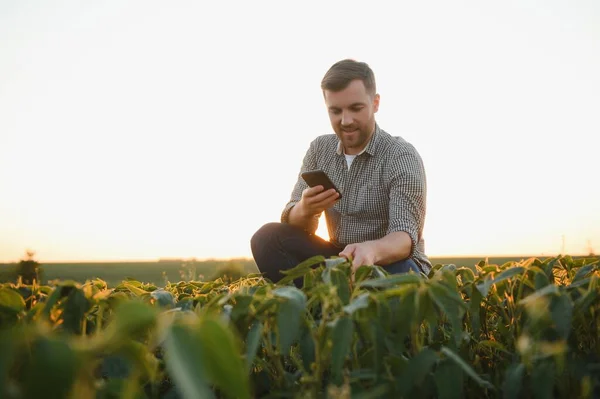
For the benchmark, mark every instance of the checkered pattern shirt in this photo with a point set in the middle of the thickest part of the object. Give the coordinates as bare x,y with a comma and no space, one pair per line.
383,191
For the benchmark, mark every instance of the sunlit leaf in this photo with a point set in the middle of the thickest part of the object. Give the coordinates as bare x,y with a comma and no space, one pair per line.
64,289
134,289
508,273
11,301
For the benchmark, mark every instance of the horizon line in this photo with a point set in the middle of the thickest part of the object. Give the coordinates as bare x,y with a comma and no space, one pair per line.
246,258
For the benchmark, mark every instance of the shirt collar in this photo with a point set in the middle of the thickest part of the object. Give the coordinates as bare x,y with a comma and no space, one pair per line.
371,146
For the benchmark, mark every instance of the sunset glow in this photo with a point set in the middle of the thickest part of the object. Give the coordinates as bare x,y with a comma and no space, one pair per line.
140,130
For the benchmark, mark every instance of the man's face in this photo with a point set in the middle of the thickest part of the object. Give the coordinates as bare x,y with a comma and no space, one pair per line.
352,115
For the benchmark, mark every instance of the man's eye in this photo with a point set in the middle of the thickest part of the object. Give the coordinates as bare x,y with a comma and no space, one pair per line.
356,109
335,111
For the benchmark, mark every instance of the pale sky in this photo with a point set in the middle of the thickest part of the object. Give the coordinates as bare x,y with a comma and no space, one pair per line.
143,129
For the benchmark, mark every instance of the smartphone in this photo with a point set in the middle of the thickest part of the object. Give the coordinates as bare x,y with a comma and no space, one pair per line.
319,178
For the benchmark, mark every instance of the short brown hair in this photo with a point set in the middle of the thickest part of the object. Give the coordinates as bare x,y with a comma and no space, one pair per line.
339,76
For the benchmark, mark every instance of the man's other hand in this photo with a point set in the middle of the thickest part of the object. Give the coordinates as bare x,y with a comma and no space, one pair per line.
362,254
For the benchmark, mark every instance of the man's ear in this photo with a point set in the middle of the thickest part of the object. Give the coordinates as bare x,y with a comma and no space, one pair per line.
375,103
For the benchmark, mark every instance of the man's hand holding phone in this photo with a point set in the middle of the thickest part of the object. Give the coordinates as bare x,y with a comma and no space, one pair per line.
316,199
320,195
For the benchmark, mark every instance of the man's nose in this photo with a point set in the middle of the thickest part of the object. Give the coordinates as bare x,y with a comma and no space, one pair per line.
346,118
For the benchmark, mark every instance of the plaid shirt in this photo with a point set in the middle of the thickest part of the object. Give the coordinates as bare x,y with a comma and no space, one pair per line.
383,191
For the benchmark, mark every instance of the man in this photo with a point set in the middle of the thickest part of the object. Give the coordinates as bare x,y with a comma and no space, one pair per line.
379,219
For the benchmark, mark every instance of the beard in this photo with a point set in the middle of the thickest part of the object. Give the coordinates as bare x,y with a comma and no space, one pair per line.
354,137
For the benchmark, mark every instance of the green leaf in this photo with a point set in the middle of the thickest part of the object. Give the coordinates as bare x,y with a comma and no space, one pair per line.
362,273
341,333
547,290
163,298
133,318
513,381
64,289
541,280
227,370
7,352
485,286
341,282
392,280
378,392
289,316
293,294
562,314
466,275
584,271
448,379
506,274
52,370
404,315
307,348
301,269
542,380
75,308
418,367
584,302
466,368
493,345
332,262
135,290
360,302
252,342
11,301
451,305
474,312
184,359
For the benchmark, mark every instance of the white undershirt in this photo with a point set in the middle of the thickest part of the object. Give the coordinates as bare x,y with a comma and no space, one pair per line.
349,159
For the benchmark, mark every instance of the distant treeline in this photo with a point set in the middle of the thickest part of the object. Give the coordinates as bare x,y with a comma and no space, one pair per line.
158,272
174,270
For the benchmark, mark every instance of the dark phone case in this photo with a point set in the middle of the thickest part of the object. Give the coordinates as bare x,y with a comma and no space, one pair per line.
319,178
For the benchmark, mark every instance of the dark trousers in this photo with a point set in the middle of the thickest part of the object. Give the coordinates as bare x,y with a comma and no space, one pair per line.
281,246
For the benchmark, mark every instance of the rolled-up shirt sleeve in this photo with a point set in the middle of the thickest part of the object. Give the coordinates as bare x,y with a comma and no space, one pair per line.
308,163
408,191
